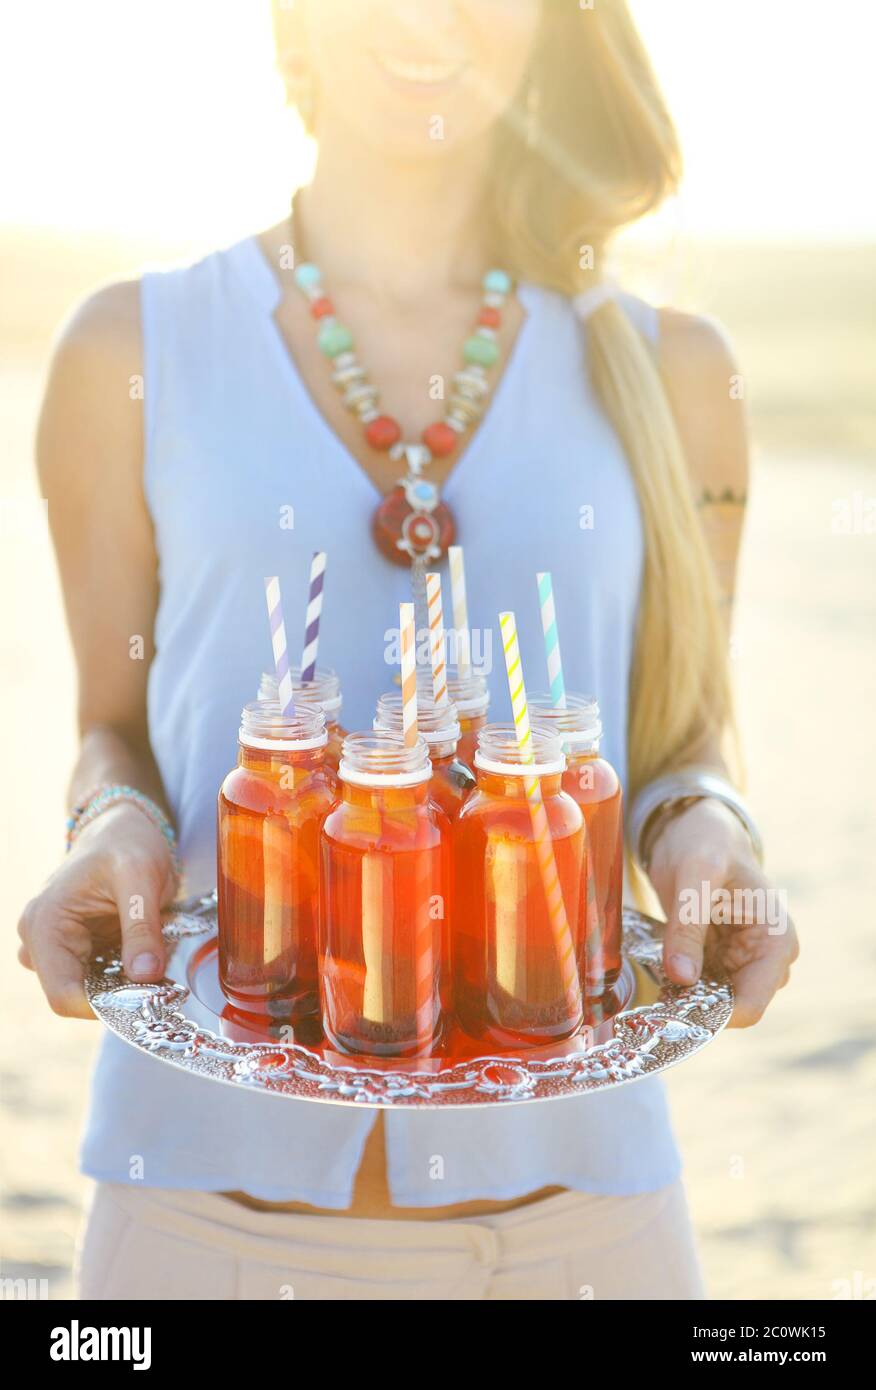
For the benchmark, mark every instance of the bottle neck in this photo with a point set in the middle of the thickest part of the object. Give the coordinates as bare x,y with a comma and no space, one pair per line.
385,798
581,752
513,787
472,722
298,764
442,752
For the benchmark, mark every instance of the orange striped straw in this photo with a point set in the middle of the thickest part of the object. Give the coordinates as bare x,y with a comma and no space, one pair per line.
541,834
436,639
408,674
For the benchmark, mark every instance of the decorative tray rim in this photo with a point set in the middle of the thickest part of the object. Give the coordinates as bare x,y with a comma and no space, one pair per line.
646,1039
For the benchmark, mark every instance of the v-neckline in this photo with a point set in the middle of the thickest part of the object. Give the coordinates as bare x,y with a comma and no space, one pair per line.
268,291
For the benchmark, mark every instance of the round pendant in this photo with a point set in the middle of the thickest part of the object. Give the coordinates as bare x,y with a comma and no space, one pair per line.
401,531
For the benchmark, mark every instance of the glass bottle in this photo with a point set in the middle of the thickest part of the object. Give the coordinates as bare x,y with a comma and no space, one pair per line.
593,783
385,883
271,807
451,780
325,691
517,924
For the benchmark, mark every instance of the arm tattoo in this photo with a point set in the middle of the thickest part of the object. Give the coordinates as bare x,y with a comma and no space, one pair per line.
726,498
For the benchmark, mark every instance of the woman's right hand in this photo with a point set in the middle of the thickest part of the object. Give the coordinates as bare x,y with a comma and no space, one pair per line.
120,866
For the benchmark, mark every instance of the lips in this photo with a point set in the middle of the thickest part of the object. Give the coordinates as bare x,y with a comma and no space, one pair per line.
420,74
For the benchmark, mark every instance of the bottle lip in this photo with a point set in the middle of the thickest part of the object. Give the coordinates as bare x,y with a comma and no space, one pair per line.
263,726
381,758
324,690
437,724
577,724
499,751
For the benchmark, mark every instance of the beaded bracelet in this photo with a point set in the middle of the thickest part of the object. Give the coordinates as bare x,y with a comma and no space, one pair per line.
101,800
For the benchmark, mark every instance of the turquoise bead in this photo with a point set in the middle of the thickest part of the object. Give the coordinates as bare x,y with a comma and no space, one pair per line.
481,350
307,275
497,282
334,339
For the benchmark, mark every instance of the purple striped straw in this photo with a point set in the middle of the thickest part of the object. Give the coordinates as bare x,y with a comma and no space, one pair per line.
278,642
314,613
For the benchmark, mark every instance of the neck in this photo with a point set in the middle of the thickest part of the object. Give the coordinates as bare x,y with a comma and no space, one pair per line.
361,216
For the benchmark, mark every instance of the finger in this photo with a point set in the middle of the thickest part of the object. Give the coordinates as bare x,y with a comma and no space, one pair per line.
137,891
24,957
686,925
58,949
754,986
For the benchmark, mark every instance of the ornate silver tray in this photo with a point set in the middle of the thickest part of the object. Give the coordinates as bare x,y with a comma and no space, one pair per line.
646,1026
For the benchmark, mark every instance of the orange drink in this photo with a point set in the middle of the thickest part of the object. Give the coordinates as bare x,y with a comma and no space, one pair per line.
271,807
385,883
509,983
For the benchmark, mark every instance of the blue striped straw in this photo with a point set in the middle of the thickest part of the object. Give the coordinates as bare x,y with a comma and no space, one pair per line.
551,640
278,642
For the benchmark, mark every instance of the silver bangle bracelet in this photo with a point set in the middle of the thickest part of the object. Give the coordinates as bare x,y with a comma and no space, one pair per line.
688,783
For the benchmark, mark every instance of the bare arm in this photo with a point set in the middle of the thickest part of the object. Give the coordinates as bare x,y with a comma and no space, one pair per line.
89,450
707,843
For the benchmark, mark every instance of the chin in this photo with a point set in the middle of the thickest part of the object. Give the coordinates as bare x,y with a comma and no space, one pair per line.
420,126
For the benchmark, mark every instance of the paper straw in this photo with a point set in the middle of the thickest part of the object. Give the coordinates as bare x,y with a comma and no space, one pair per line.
408,674
436,640
460,611
278,642
314,612
544,849
551,640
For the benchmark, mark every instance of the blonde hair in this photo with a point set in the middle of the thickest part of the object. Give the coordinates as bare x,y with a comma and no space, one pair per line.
587,147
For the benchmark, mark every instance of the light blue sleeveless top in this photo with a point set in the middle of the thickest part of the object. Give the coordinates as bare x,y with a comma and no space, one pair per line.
232,440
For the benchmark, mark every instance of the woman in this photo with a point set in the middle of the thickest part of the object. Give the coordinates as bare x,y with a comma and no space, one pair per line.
452,137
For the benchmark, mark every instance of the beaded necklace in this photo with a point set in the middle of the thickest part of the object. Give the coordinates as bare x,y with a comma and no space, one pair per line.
411,526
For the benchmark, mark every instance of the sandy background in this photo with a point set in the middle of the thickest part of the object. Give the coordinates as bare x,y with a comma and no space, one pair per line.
777,1124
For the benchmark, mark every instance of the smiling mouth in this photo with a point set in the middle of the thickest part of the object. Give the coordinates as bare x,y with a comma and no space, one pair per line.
418,74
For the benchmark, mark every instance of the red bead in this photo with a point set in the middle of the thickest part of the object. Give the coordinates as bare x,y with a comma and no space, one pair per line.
489,317
440,439
383,432
322,307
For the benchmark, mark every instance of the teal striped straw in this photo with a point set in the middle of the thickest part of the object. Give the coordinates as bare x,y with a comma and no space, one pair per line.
551,640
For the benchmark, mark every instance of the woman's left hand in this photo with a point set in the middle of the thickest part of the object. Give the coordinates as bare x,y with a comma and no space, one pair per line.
720,907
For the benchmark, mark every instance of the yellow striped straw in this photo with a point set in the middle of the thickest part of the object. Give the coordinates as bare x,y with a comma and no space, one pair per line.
436,639
408,674
541,834
460,611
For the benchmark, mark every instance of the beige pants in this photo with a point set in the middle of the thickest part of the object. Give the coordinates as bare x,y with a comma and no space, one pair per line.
141,1243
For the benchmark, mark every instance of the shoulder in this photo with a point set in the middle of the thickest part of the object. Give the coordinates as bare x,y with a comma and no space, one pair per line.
694,349
103,329
706,391
91,410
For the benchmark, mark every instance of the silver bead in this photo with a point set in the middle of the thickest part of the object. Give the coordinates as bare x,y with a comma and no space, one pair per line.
482,331
368,414
455,423
345,359
494,300
348,375
363,393
470,385
464,409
